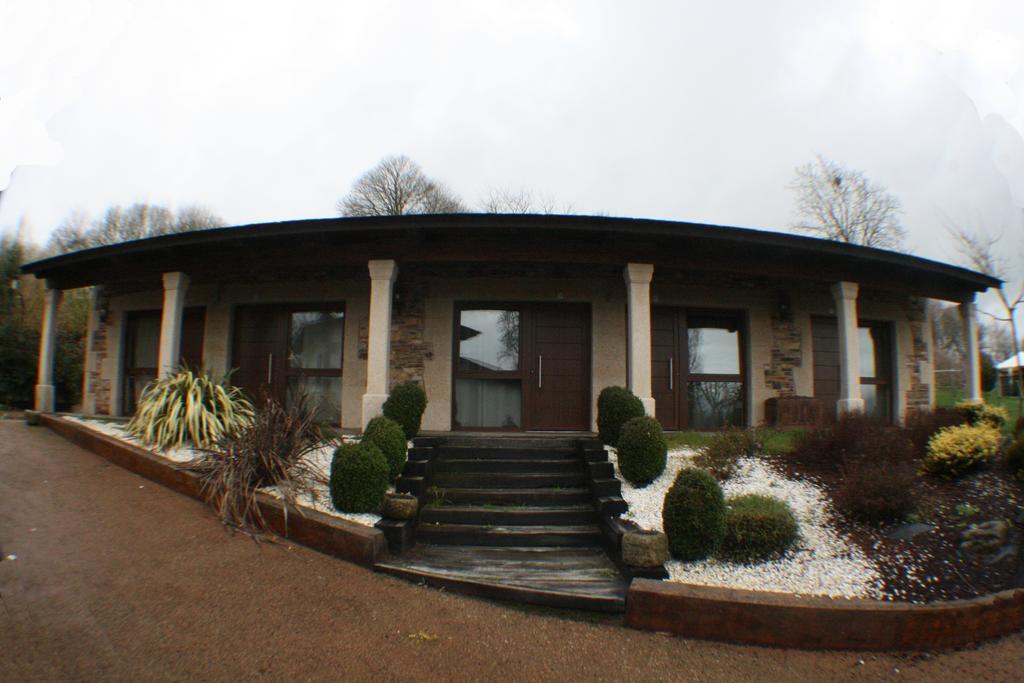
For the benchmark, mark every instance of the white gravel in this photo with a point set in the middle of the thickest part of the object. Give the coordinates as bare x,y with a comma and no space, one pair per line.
319,498
823,563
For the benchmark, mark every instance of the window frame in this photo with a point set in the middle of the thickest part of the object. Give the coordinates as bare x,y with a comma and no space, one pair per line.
739,318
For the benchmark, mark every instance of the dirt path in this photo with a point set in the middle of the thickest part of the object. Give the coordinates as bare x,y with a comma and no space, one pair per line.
118,578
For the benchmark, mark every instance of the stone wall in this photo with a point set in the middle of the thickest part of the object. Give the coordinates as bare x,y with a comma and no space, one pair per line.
786,356
918,394
409,348
98,383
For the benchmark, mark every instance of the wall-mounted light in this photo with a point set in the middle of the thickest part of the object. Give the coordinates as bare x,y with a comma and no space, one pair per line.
102,304
785,309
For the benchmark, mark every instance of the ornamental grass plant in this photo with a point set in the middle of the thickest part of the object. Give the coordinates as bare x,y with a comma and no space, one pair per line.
190,407
272,451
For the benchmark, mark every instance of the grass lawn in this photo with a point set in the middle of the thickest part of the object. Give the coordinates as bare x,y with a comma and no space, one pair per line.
947,398
776,441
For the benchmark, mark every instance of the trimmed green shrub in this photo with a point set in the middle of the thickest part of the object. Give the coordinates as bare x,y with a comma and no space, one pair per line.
757,528
984,414
1015,457
405,406
956,450
720,455
387,435
615,407
693,515
359,477
643,450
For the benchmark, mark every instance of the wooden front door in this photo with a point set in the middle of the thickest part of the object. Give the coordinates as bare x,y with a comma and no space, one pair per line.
558,395
698,374
287,350
521,366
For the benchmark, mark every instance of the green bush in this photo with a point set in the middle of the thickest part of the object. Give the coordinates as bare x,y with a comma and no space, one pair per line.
1015,457
693,515
643,450
757,528
615,407
190,408
877,489
405,406
19,361
387,435
723,451
956,450
984,414
359,477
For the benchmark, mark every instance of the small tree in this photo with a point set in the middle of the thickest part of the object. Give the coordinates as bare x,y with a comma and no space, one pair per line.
521,201
840,203
119,224
397,186
980,252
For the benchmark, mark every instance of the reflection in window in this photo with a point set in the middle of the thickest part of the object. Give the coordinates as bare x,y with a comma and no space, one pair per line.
488,403
713,351
316,340
489,340
323,395
713,405
876,369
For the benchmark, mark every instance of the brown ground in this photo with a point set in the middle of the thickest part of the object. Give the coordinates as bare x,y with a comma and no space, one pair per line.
117,578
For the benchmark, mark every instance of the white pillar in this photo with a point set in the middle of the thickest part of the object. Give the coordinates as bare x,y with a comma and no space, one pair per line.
972,371
378,347
175,286
845,296
638,307
46,394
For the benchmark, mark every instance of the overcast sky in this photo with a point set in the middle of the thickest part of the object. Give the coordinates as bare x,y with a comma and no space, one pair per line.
646,109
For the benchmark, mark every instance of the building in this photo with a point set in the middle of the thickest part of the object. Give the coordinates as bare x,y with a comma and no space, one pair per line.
514,322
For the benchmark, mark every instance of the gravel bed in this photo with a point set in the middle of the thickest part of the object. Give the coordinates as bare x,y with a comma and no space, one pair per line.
823,562
318,498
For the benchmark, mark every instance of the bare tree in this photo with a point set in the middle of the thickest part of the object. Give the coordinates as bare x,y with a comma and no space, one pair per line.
841,204
980,252
119,224
521,201
397,186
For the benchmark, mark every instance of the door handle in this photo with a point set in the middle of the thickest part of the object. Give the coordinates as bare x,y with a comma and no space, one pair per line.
270,368
540,372
671,375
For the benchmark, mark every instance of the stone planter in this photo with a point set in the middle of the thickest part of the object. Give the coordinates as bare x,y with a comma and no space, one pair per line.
643,548
399,506
32,417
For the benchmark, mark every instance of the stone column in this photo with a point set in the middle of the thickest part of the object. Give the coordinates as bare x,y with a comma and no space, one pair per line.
175,287
972,369
46,394
638,307
845,296
378,347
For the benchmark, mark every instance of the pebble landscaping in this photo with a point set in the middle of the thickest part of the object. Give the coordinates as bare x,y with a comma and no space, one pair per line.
823,563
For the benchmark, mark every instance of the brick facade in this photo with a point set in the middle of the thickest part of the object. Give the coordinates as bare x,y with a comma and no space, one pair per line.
787,355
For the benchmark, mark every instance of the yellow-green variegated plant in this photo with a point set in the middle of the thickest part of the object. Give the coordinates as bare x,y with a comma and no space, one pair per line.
190,407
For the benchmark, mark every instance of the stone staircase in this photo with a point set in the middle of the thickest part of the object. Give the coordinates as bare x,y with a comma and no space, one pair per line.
513,518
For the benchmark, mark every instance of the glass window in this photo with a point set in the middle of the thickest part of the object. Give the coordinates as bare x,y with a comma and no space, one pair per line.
322,393
713,405
317,338
713,351
488,403
876,369
876,400
145,344
489,340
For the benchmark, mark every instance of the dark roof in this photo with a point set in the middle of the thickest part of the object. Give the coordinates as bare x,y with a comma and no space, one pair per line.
664,239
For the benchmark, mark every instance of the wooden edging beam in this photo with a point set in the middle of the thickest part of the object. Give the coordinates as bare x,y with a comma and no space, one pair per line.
818,623
332,536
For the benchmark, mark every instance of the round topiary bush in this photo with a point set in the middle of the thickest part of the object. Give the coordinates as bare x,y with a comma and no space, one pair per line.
980,414
954,451
359,477
693,515
405,406
642,450
387,435
615,407
757,528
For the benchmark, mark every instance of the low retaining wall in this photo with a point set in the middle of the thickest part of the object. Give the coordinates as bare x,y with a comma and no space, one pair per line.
336,537
816,623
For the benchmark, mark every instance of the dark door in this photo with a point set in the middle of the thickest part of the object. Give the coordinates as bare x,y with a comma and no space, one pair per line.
825,342
142,348
285,351
521,366
876,363
558,396
698,374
